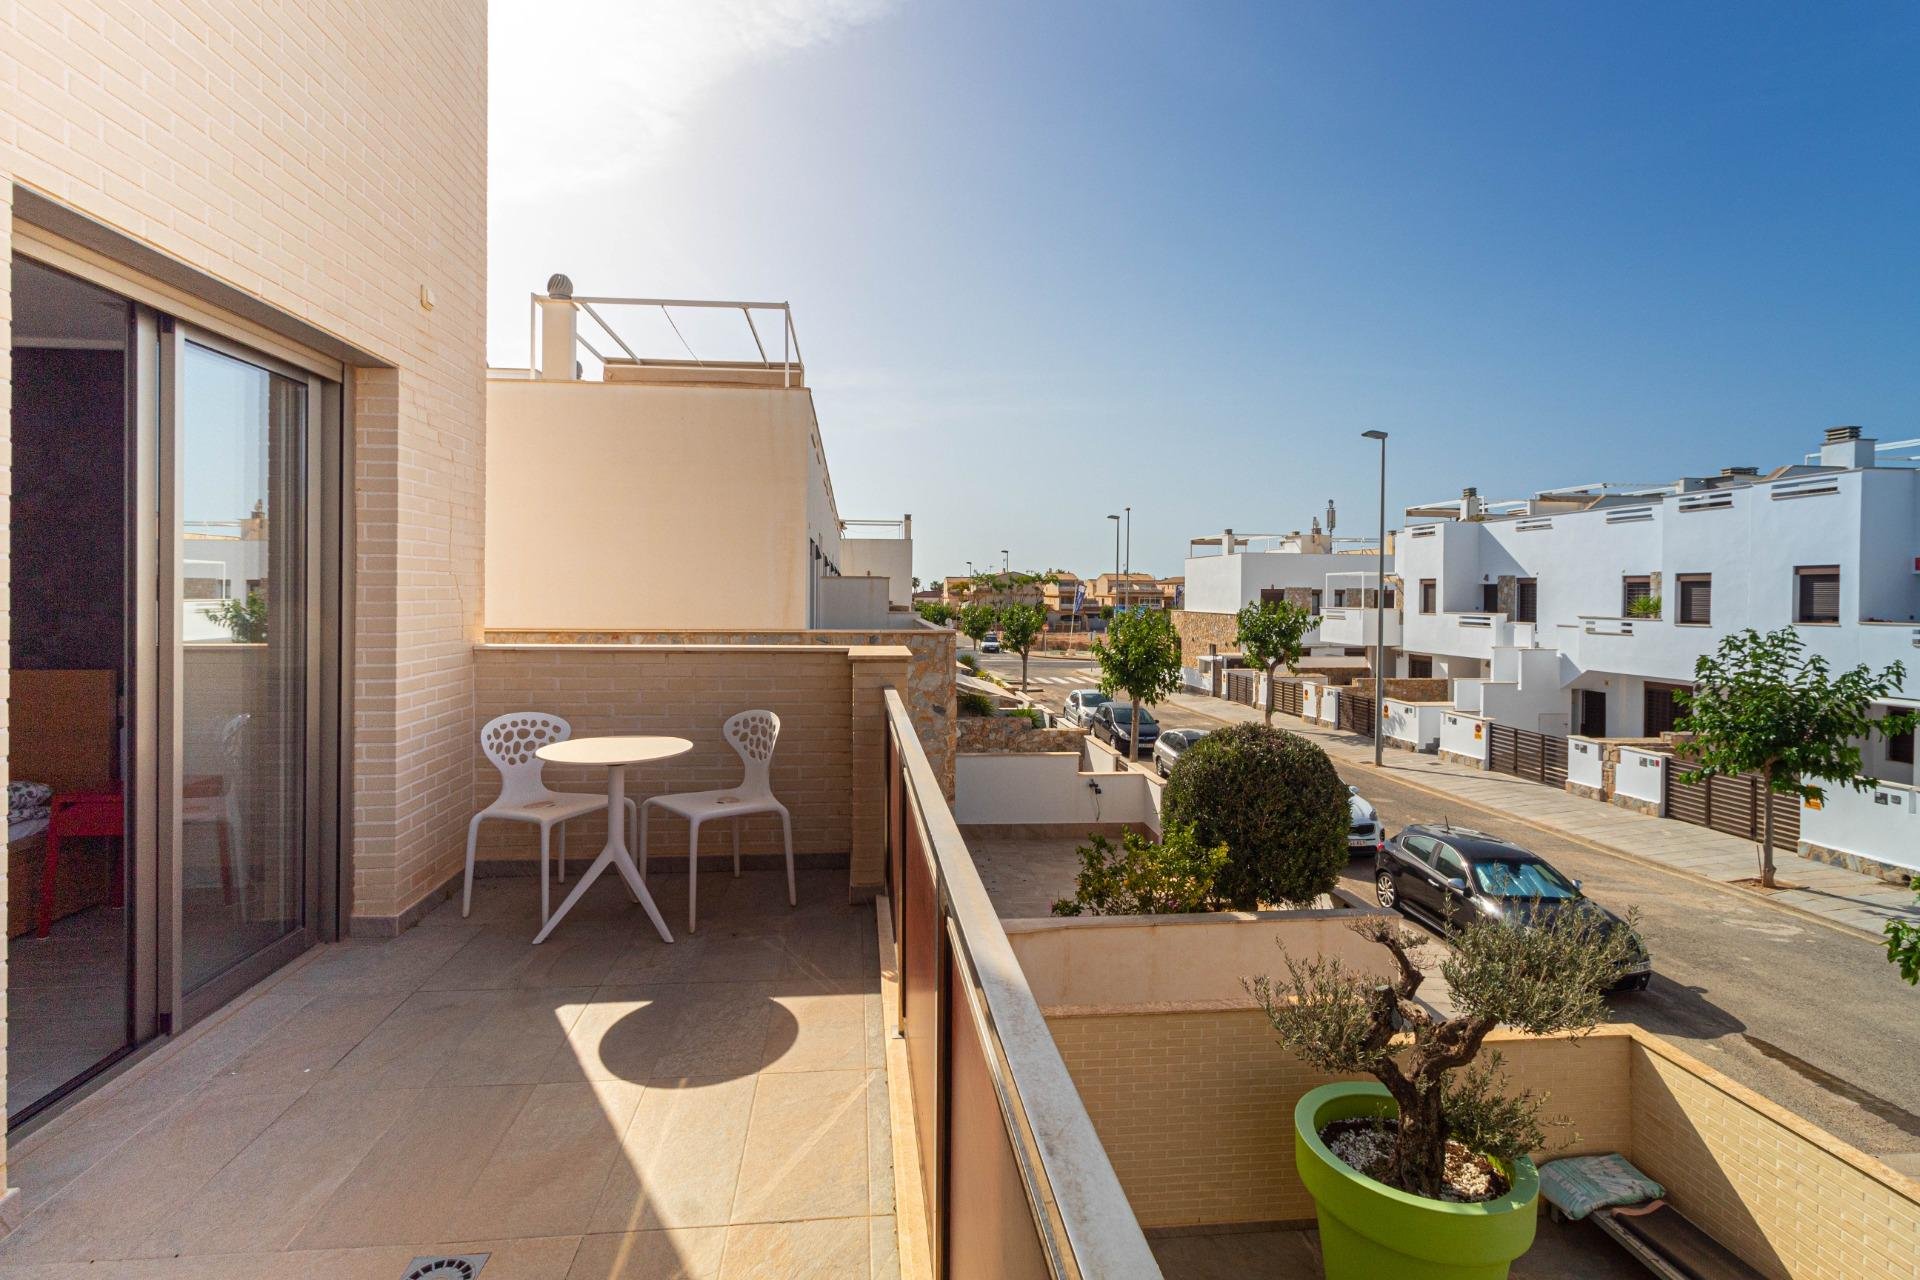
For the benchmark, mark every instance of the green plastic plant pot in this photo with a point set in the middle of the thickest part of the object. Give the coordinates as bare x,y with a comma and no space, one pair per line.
1368,1229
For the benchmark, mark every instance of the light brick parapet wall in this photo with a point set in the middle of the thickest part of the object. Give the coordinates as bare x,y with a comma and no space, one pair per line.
827,767
1195,1108
930,678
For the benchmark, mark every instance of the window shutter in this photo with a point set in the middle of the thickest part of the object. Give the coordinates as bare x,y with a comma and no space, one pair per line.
1527,605
1637,589
1696,600
1819,597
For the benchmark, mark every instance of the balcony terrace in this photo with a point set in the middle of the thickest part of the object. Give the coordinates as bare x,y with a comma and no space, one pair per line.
937,1081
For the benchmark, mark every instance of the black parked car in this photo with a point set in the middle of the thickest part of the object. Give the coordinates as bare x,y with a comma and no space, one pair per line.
1447,876
1113,724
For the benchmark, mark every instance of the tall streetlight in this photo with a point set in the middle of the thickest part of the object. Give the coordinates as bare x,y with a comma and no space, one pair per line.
1129,511
1379,596
1116,558
1003,560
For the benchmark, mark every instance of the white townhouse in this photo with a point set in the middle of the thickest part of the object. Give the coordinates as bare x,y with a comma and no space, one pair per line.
1226,572
1582,611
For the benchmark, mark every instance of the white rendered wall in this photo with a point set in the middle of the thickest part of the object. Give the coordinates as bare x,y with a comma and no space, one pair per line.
614,506
1882,824
1047,788
1641,775
1224,584
1463,735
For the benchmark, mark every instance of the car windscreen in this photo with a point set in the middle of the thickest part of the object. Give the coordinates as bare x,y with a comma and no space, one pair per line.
1522,880
1122,711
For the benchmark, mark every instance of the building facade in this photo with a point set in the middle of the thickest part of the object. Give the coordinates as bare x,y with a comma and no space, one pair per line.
1584,612
256,252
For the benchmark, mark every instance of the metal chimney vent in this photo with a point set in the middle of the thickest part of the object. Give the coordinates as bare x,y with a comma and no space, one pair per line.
1840,435
558,286
1739,471
1471,491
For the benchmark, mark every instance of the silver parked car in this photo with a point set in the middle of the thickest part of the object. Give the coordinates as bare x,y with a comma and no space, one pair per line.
1080,706
1171,745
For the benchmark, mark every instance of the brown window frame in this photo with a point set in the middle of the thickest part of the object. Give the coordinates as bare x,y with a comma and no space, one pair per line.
1680,583
1800,610
1900,748
1429,596
1520,591
1627,583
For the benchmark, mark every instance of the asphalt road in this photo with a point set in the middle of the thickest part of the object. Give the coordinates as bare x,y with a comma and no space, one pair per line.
1808,1016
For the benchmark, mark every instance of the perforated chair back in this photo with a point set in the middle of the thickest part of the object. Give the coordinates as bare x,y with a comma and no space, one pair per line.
510,742
753,734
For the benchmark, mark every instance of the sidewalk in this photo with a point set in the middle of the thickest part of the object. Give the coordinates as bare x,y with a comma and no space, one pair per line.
1834,895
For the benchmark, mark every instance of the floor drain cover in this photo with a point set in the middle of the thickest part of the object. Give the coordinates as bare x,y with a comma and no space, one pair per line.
446,1267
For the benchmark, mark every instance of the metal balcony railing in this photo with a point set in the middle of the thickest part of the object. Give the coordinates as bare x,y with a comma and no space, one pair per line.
631,342
1016,1182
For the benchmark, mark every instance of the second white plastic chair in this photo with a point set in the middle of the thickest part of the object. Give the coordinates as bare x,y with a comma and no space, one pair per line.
752,734
510,742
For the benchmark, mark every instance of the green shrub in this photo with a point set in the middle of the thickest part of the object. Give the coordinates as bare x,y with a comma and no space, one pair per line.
1141,878
975,703
1274,799
1644,607
970,661
1032,715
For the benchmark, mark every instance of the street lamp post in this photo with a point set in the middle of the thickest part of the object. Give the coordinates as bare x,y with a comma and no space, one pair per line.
1129,511
1003,560
1116,550
1379,597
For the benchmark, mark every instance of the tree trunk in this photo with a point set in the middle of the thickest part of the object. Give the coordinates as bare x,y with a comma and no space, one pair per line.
1268,709
1766,828
1133,733
1422,1155
1023,670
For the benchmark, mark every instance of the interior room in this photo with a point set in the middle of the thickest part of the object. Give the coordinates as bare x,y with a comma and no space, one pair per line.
67,917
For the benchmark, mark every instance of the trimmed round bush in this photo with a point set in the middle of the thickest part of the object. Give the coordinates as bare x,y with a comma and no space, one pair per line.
1274,799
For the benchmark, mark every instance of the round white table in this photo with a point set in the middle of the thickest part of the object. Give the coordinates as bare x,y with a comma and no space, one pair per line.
614,755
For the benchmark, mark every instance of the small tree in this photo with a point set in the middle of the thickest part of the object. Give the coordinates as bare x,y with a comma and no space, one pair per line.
1270,632
1277,803
1140,657
976,620
1545,979
935,611
246,619
1174,877
1761,704
1020,626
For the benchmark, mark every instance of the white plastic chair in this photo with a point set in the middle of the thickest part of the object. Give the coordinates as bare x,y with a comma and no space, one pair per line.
752,734
510,742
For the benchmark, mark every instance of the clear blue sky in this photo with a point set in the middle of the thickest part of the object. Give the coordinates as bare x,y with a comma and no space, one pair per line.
1047,259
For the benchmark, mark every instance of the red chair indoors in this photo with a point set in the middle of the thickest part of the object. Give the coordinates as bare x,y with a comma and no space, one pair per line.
74,814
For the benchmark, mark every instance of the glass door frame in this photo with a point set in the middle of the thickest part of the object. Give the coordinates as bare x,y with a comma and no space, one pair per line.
320,828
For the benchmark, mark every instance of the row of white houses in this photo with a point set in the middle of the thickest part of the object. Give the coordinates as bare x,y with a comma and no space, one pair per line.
1579,613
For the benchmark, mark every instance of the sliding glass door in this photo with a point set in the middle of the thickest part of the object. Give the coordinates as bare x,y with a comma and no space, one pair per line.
175,681
242,547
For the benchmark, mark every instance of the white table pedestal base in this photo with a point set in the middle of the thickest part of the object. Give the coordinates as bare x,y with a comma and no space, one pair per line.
615,855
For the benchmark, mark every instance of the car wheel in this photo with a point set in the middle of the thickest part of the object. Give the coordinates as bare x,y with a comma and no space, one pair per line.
1383,889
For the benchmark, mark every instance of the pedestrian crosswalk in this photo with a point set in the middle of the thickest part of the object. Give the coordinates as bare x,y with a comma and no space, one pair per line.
1085,677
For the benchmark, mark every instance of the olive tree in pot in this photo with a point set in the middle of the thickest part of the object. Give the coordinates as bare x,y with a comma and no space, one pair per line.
1449,1190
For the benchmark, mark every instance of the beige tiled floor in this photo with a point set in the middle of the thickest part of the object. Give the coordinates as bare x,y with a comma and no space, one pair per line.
600,1106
